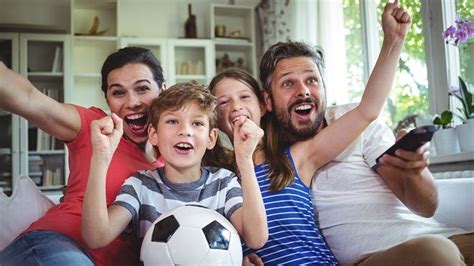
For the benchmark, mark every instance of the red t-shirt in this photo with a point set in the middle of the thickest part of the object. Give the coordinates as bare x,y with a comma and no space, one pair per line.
66,216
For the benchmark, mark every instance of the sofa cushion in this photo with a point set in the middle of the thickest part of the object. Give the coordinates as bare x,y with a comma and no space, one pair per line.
456,202
19,211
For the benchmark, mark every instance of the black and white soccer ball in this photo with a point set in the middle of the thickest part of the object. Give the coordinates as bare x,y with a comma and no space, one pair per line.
191,235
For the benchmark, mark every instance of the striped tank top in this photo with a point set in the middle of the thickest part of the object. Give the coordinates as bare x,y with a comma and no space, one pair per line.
294,238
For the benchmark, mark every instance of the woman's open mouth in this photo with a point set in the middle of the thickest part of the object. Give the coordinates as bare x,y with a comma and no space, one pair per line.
137,123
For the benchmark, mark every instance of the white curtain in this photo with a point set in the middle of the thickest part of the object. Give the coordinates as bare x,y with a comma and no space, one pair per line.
317,22
275,22
331,37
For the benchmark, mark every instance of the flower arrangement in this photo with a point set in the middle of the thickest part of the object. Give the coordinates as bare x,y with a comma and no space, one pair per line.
459,33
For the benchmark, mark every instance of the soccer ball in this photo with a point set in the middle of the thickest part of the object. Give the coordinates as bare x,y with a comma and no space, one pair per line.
191,235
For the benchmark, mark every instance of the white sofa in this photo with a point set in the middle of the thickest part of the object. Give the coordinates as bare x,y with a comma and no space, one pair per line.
456,206
456,202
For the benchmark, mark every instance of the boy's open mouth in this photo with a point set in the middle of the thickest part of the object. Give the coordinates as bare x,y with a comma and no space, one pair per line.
184,146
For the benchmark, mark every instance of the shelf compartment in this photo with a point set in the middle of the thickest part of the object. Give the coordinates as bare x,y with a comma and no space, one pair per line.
87,51
43,56
84,12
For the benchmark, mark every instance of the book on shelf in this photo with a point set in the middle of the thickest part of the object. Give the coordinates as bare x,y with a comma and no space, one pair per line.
35,160
57,62
52,177
37,179
35,165
44,141
47,178
58,177
5,151
41,140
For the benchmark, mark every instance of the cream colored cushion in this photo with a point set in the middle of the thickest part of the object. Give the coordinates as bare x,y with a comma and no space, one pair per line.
26,205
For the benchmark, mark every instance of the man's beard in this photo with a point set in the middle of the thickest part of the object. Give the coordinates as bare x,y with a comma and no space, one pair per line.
306,129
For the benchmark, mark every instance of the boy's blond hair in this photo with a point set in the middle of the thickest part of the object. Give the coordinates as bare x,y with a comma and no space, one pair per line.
181,94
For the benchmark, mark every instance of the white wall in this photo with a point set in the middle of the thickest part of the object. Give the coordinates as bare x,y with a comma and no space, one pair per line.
36,14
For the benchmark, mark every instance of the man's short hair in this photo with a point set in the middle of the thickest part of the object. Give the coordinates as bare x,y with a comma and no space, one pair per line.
284,50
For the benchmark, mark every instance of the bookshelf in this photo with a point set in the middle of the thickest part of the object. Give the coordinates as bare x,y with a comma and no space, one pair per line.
233,31
156,45
24,148
191,60
9,123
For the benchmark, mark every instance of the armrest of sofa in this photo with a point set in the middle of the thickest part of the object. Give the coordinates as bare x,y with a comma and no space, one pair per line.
456,202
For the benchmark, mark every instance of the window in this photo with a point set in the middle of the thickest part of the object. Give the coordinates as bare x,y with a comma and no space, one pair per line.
410,91
425,73
465,9
355,55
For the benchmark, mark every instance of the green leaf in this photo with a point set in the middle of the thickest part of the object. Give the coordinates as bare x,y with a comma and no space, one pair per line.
444,120
467,102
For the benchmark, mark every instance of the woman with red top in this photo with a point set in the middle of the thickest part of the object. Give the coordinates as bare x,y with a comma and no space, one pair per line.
131,78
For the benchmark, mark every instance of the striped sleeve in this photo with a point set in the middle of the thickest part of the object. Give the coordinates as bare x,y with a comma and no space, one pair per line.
233,197
129,197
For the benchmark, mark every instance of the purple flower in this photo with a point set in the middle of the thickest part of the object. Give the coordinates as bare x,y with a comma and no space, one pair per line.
449,32
461,36
455,90
461,32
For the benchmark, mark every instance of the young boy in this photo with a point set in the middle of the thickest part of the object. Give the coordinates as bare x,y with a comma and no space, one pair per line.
183,127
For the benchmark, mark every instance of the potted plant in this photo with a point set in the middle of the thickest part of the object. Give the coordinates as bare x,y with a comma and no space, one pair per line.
460,35
445,140
465,131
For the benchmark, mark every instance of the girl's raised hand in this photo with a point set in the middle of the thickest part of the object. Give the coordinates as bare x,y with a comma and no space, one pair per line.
246,137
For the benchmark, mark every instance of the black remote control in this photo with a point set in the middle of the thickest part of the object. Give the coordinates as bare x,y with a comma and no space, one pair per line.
412,140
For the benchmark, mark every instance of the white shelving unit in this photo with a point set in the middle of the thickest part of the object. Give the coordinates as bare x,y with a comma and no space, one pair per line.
45,60
181,59
9,124
191,60
90,51
237,41
157,45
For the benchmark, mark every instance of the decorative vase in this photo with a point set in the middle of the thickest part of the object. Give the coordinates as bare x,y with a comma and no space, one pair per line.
446,141
465,133
190,25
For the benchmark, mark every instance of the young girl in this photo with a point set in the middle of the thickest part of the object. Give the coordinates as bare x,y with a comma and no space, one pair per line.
182,127
297,140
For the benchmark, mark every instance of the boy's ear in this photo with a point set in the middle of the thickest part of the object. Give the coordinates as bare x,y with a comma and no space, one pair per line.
152,135
268,101
213,135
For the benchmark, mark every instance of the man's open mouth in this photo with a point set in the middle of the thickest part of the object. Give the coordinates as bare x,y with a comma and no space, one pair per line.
303,109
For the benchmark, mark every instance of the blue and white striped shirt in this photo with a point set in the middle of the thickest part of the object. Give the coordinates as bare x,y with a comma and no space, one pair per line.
149,193
294,238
